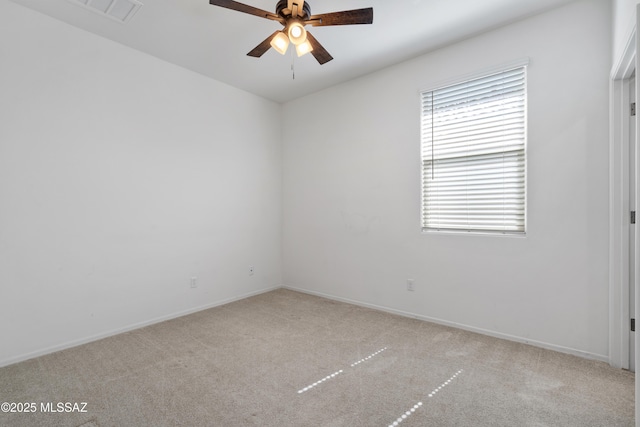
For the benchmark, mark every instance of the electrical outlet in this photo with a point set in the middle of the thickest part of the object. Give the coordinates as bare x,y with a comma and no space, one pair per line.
251,270
194,282
410,285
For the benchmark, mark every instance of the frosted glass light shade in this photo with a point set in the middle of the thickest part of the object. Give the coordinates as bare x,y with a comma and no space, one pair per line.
304,48
297,33
280,42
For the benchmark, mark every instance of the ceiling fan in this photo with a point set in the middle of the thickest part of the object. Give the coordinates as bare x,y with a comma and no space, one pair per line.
294,15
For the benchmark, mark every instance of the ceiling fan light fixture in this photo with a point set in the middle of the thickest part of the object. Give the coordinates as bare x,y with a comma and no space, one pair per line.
297,33
304,48
280,43
294,15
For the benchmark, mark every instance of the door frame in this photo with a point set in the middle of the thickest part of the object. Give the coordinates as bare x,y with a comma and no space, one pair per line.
619,206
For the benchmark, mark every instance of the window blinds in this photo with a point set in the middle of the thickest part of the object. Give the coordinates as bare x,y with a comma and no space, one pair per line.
473,155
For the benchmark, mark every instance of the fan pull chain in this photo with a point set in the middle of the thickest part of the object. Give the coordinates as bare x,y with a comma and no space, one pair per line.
293,70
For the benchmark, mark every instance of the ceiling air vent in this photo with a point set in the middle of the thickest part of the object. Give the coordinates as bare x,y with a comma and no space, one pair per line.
120,10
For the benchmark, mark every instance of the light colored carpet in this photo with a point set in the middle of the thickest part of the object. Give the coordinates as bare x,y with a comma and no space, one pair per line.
288,359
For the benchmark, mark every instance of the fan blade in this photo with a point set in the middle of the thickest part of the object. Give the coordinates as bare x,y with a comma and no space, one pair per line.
347,17
259,50
234,5
318,52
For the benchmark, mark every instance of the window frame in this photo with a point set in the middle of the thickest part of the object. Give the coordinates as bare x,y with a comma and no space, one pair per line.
459,80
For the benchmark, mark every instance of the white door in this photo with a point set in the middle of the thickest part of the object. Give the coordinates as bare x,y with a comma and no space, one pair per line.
632,227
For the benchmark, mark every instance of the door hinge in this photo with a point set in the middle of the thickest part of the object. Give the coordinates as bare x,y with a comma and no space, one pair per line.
633,109
633,217
633,325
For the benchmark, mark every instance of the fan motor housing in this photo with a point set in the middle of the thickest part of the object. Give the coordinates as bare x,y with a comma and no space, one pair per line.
283,4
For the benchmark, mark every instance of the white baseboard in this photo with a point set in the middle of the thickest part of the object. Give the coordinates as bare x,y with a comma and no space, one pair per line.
139,325
561,349
75,343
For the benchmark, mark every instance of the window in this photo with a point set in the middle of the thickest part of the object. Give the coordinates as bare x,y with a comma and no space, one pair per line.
473,155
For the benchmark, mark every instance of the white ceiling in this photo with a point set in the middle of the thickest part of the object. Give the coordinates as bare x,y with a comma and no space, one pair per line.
214,41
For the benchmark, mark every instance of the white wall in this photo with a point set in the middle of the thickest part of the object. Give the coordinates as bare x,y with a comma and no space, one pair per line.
624,13
352,191
121,176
